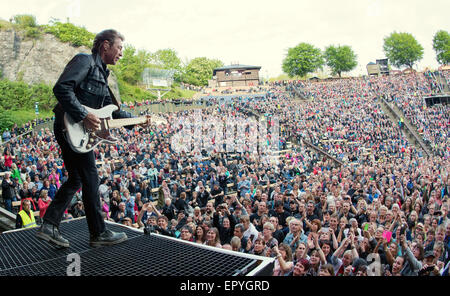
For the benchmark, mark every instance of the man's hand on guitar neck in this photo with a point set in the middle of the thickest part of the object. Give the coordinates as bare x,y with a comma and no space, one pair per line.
91,122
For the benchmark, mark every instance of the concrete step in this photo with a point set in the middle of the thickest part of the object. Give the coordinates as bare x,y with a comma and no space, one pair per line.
410,131
413,128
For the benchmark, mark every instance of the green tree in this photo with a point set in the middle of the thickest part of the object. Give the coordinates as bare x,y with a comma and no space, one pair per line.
302,59
42,93
200,70
28,24
16,95
340,59
402,49
131,65
168,59
441,45
25,20
6,119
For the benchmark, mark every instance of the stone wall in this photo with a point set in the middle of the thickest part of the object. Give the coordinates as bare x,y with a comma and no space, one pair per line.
37,60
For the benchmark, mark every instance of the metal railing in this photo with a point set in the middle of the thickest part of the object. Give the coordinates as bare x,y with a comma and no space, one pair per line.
7,220
407,125
16,137
323,152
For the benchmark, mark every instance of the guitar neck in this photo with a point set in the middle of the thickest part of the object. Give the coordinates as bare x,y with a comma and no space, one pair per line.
115,123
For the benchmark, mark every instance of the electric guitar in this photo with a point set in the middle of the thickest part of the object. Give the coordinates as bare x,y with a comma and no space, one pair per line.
82,140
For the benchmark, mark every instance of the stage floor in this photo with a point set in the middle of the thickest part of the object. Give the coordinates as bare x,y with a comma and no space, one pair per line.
22,254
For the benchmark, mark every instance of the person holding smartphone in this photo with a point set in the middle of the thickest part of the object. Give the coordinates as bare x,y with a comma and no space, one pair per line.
428,266
413,256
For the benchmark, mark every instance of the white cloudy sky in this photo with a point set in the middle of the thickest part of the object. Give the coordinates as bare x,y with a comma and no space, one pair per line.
252,32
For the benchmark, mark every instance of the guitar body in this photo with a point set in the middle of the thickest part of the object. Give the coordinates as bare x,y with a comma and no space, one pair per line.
80,139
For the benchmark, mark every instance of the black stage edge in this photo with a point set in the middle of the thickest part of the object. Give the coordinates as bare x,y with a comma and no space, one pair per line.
22,254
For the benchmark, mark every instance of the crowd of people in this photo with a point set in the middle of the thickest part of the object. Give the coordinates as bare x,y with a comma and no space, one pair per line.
384,212
406,91
15,130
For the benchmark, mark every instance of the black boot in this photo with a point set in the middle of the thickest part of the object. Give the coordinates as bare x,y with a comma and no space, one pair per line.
107,238
50,233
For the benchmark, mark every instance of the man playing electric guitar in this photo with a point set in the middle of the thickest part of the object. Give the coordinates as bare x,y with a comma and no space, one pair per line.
83,83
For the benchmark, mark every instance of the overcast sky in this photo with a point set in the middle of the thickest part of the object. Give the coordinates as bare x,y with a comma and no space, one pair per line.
251,32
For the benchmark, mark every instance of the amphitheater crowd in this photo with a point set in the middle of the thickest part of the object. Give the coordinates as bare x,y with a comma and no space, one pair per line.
383,212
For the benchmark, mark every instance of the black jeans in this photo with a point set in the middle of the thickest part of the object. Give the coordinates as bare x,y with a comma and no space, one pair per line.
82,173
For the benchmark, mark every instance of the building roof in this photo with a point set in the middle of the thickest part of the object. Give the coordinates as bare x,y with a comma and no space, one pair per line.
235,67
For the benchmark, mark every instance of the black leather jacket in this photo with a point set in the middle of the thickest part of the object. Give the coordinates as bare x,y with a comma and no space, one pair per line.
84,82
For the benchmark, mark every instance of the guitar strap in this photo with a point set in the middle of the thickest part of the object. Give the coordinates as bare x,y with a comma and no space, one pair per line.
114,99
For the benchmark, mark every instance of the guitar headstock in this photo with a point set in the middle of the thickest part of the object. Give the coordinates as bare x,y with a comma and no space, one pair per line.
157,120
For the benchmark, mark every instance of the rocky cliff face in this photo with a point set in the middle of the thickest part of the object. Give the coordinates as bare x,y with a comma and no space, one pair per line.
37,60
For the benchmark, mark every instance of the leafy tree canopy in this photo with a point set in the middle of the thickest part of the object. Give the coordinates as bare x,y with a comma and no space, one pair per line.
25,20
200,70
168,59
402,49
302,59
340,59
132,64
441,45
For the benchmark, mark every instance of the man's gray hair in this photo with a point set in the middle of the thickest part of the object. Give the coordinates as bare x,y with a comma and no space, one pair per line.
240,226
296,220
